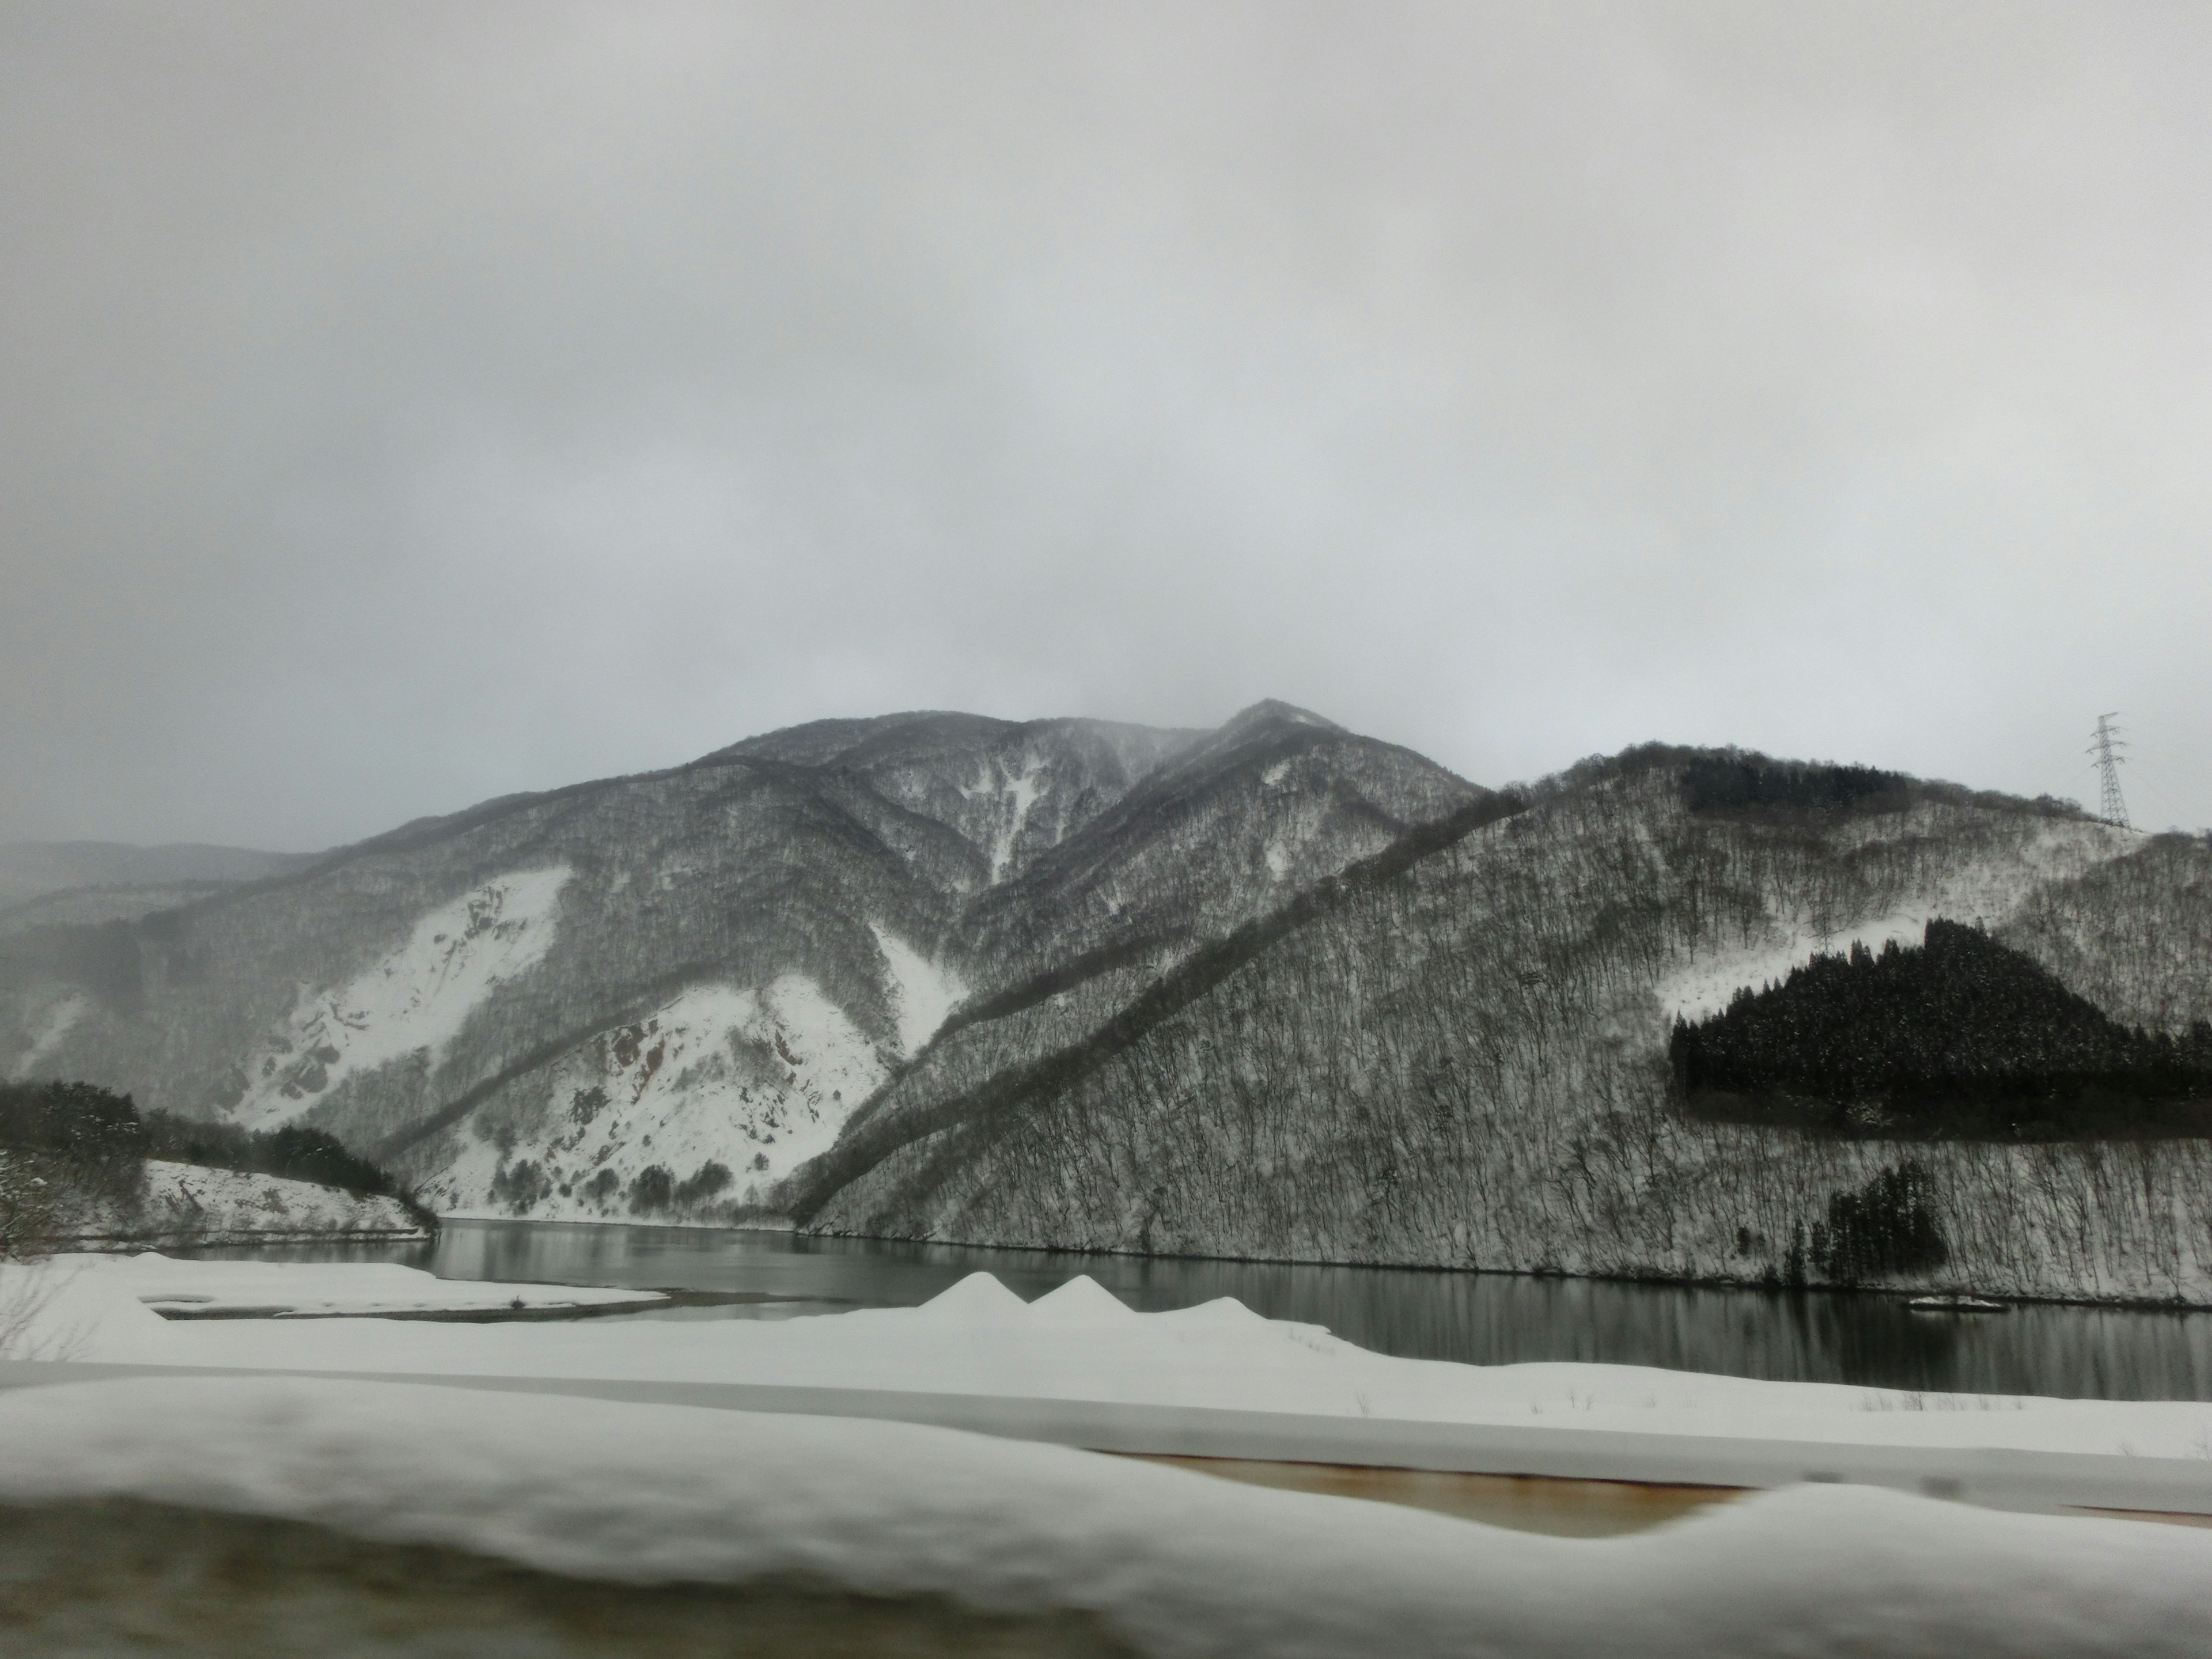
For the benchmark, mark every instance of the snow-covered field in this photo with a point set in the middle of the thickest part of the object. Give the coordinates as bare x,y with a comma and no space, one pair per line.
1168,1562
1078,1343
192,1202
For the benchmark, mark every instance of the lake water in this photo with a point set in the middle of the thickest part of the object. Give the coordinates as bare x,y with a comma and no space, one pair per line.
1481,1318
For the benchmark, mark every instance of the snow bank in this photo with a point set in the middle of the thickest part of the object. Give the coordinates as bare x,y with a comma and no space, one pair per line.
1175,1564
979,1338
183,1200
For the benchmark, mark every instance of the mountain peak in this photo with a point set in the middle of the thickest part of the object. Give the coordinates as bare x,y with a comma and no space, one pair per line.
1269,711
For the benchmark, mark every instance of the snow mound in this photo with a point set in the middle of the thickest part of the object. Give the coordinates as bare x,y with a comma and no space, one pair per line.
1174,1564
978,1297
1081,1301
1223,1313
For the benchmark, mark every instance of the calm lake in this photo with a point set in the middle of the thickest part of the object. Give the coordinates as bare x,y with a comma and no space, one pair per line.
1481,1318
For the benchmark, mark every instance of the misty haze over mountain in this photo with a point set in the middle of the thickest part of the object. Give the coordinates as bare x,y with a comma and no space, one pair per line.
411,404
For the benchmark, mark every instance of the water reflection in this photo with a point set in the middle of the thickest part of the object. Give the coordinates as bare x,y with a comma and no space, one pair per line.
1481,1318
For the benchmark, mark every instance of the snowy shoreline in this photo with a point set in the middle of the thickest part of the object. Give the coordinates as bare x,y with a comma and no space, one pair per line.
188,1204
1900,1292
1079,1344
952,1450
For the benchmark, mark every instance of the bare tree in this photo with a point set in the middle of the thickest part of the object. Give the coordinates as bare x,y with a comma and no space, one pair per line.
28,1282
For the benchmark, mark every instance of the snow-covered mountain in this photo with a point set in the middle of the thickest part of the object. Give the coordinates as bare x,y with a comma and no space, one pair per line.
1457,1057
660,995
1275,990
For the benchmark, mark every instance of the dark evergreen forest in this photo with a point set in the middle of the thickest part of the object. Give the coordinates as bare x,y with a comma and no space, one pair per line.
1730,780
1959,1036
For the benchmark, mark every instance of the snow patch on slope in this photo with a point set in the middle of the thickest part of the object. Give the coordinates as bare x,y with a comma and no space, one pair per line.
1015,793
756,1081
418,998
1986,891
922,993
1172,1564
58,1021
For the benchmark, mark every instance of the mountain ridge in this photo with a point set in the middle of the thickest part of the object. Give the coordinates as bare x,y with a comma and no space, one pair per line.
1278,989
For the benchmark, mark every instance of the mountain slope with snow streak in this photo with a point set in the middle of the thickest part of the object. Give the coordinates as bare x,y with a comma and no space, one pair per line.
1278,989
443,997
1464,1065
416,1000
749,1082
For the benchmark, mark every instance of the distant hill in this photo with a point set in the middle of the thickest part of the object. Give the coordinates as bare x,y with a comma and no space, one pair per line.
1459,1057
31,869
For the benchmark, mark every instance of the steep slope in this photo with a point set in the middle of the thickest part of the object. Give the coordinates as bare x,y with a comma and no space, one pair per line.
661,994
1234,826
1231,831
1012,791
1464,1064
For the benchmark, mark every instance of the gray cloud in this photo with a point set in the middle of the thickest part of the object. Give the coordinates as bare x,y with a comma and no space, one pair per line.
408,403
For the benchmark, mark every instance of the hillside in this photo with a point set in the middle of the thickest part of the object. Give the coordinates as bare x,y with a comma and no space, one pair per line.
1465,1064
657,995
1277,990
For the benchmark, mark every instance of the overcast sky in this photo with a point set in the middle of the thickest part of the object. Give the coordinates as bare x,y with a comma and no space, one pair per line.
402,404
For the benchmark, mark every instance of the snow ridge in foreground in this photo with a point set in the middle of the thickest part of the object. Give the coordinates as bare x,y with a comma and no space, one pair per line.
1173,1562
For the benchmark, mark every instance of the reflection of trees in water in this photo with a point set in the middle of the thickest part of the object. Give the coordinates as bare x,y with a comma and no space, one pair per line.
1489,1319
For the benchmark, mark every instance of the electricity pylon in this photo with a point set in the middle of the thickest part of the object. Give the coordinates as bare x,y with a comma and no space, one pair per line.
2114,807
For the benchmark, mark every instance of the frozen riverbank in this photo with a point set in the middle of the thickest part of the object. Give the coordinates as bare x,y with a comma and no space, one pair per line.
193,1204
1078,1343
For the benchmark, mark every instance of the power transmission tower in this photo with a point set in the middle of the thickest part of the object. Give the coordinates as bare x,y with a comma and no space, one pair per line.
2114,807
